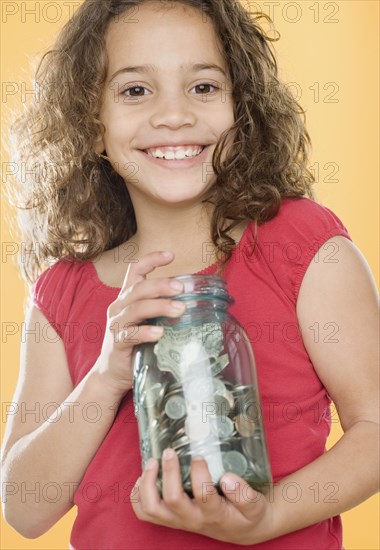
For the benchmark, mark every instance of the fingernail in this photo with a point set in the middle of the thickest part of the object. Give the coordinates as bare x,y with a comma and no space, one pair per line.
175,285
168,454
197,458
150,464
167,254
156,330
178,305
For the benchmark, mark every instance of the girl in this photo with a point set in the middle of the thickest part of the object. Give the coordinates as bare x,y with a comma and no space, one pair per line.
168,130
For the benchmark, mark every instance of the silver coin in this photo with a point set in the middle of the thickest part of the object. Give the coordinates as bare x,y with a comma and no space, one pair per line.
153,394
163,433
224,427
170,393
251,409
222,405
154,425
235,462
249,449
178,433
184,440
230,398
175,407
245,425
185,472
145,446
218,387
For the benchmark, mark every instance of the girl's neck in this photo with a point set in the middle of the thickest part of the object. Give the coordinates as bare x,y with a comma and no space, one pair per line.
192,247
187,236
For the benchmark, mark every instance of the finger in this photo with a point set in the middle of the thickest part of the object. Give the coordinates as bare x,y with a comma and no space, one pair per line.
150,506
136,271
204,490
149,289
134,335
249,502
148,498
172,487
139,311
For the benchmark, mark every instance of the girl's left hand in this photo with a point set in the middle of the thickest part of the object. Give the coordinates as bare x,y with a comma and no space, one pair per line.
242,516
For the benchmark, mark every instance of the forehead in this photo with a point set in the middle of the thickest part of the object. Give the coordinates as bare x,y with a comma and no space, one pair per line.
162,36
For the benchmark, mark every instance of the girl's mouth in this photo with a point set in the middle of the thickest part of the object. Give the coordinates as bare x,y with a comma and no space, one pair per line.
179,152
177,157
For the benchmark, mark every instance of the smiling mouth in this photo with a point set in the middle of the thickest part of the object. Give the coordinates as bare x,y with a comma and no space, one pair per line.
175,153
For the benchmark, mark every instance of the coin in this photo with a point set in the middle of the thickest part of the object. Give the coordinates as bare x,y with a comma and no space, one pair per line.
222,405
178,433
251,409
245,425
230,398
219,387
249,448
154,393
180,442
225,427
175,407
185,470
235,462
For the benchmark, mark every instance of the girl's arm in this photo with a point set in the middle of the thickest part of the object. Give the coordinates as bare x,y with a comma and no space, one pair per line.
343,293
38,451
57,450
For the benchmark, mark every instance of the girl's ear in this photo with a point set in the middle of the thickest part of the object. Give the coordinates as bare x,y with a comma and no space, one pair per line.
99,145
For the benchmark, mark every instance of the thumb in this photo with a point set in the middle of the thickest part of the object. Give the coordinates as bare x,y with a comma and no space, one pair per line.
249,502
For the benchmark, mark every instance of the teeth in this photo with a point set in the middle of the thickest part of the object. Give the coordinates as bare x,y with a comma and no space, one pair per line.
179,153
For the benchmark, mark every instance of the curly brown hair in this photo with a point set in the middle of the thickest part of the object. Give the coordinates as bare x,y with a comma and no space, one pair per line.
73,203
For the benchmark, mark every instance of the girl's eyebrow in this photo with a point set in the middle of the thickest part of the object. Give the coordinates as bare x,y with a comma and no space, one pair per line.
144,69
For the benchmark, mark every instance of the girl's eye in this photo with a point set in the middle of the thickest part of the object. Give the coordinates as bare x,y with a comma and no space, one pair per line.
138,89
205,88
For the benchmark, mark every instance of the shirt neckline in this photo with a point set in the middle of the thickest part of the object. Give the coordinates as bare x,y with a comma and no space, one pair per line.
206,271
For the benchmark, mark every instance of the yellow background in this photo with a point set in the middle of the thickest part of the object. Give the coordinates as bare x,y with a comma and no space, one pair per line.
312,53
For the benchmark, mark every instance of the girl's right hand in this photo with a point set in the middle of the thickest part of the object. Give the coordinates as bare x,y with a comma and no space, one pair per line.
138,300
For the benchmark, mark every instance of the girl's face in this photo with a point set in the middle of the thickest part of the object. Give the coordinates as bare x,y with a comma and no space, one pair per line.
167,94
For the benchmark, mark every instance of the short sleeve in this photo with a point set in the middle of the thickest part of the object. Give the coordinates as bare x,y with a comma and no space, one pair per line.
49,293
291,240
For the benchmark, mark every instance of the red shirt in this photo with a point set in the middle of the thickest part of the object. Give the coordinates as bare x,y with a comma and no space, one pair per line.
295,403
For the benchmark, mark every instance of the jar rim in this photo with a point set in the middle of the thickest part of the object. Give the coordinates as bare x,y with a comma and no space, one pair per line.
204,286
190,276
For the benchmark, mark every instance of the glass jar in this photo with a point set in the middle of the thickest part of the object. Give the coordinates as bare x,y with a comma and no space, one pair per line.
195,389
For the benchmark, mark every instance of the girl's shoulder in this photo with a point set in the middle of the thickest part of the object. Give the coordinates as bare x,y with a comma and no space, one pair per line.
56,289
303,229
61,273
304,210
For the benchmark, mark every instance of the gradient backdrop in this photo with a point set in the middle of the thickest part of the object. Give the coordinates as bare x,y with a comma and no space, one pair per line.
329,51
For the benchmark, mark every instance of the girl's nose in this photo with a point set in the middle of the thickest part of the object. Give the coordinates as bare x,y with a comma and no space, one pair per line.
173,113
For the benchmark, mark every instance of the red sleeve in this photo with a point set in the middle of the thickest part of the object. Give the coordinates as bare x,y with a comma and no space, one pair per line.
290,241
48,294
